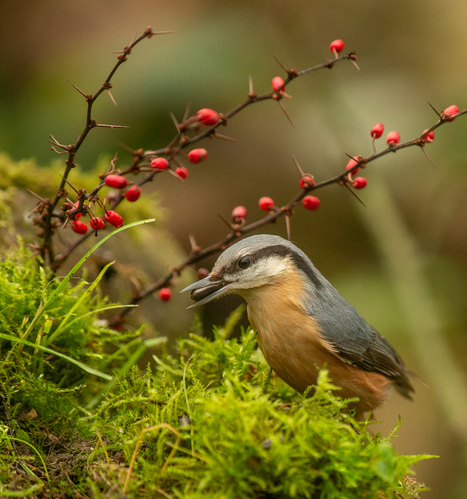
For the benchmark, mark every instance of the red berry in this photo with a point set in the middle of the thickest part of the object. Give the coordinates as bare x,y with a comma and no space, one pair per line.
114,218
277,83
393,138
207,116
359,183
351,164
449,111
377,130
429,137
165,294
182,172
311,202
266,203
97,223
239,213
79,227
116,181
336,46
306,181
159,164
197,155
133,193
202,273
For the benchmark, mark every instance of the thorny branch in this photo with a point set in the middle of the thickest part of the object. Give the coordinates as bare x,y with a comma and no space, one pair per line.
180,141
171,151
49,227
240,230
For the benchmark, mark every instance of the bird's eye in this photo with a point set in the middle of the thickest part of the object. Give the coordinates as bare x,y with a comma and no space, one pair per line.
244,262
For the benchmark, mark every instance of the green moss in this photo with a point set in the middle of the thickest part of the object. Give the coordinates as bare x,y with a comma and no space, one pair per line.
31,377
208,421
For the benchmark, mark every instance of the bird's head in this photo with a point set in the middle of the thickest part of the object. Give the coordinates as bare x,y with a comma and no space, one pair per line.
251,263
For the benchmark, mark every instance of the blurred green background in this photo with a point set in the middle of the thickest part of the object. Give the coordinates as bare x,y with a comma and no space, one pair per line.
402,261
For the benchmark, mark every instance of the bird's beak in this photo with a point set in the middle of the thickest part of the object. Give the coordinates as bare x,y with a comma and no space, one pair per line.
206,290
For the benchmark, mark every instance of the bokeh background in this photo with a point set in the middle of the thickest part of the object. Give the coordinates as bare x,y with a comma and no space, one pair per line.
401,261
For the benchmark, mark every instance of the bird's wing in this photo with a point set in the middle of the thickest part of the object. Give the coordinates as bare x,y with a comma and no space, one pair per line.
359,344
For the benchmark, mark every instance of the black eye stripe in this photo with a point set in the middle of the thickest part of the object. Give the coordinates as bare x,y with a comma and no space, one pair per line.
277,250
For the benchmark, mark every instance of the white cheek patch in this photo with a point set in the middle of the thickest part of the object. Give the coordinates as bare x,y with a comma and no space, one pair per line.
261,272
271,266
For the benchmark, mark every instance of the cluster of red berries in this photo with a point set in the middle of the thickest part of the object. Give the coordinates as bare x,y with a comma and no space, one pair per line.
120,182
277,83
309,202
207,117
393,138
204,116
358,182
112,217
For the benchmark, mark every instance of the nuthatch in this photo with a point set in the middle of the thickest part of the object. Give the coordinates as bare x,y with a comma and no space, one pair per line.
303,323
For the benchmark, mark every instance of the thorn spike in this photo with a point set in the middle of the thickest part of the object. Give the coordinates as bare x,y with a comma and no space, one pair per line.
354,193
224,137
112,98
439,114
76,88
229,225
285,112
187,113
299,168
176,123
282,66
428,157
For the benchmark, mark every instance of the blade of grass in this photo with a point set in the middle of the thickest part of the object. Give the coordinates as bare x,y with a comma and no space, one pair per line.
20,493
75,269
84,367
36,451
97,311
78,302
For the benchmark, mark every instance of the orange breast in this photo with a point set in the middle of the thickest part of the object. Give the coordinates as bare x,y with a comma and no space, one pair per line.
294,348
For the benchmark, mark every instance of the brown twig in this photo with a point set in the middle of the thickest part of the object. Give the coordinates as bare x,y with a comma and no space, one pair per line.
171,151
47,247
